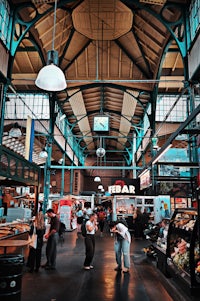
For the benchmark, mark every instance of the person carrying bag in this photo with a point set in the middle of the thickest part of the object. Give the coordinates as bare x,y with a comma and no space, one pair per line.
36,233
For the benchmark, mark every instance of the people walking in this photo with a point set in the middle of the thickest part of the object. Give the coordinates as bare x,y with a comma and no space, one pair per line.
121,245
79,215
138,224
52,240
91,228
101,220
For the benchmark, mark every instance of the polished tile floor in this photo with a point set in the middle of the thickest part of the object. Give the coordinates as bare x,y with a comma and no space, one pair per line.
71,283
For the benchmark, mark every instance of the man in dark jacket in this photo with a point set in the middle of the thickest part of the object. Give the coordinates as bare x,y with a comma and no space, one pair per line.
52,240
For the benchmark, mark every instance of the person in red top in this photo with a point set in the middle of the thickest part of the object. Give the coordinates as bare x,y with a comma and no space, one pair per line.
101,219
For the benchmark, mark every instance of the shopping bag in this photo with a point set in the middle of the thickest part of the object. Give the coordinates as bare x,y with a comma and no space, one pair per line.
33,242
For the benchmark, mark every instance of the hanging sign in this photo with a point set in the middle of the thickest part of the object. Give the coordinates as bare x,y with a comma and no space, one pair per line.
119,189
124,186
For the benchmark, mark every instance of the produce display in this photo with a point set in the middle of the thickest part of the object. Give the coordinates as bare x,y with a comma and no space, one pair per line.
183,248
13,228
198,267
197,260
180,256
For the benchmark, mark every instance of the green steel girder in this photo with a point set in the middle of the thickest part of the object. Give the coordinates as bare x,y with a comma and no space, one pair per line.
2,111
23,25
91,113
181,43
27,25
99,84
155,90
35,47
77,149
183,125
114,86
129,151
109,137
108,111
17,168
96,167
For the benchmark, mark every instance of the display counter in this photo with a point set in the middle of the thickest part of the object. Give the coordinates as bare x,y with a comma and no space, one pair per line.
18,233
183,252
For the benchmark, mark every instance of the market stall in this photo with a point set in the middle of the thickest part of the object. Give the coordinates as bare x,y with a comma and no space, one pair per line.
158,207
18,233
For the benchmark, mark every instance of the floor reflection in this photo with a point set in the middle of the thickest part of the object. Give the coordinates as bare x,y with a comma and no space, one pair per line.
121,286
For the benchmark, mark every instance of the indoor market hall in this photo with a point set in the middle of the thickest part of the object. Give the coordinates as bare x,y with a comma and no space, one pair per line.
100,114
144,282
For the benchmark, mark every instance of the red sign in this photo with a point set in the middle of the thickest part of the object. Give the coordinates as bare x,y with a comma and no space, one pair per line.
65,202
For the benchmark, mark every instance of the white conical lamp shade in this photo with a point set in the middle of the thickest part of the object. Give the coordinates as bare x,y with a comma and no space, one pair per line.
51,78
97,179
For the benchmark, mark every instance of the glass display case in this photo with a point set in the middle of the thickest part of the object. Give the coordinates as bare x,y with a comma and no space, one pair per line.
10,230
183,253
15,232
178,202
161,247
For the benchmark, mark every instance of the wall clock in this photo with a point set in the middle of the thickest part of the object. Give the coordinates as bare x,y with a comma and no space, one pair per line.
101,123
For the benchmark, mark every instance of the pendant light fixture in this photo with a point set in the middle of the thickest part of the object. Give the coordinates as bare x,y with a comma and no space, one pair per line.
100,152
97,179
43,154
15,131
51,78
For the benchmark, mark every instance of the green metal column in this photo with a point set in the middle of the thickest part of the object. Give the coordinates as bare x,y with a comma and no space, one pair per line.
2,111
192,147
47,174
71,180
154,138
62,177
191,106
47,169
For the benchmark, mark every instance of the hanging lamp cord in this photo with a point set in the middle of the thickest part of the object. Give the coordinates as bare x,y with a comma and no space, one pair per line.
54,24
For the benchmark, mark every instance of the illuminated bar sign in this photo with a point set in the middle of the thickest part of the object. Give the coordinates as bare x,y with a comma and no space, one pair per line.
124,186
128,189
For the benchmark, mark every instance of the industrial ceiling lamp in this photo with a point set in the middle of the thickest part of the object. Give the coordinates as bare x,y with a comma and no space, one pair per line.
43,154
51,78
97,179
15,131
60,161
